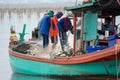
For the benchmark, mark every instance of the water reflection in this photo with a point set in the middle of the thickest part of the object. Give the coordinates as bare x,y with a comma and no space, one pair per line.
16,76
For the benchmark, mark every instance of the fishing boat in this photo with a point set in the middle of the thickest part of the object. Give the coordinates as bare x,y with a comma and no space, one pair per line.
94,56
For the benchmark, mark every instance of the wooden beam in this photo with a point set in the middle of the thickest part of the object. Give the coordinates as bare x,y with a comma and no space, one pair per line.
74,30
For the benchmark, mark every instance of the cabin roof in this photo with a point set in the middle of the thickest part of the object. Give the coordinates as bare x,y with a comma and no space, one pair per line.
102,7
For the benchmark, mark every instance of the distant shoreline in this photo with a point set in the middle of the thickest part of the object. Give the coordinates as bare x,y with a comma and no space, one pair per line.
31,7
12,6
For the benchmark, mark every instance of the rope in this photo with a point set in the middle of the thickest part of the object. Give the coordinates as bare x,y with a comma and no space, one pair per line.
118,71
117,67
106,69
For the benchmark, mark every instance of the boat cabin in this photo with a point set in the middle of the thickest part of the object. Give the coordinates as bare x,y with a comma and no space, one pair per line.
91,38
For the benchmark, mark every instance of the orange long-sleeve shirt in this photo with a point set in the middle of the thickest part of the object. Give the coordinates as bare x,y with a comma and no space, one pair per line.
53,27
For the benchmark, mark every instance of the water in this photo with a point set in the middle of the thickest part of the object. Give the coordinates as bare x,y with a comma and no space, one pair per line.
17,20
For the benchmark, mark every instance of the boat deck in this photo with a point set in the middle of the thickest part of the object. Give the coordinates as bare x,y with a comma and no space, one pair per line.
36,49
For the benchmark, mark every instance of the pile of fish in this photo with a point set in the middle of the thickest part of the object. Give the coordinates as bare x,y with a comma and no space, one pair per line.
36,50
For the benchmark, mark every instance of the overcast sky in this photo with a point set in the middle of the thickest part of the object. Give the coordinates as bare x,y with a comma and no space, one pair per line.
38,1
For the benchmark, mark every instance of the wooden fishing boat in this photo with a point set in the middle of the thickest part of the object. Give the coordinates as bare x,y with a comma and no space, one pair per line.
87,60
97,63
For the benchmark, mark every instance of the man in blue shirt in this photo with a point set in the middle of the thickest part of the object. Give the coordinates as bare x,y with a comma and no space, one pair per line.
44,27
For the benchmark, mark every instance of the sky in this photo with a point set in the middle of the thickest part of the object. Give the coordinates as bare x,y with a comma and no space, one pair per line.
37,1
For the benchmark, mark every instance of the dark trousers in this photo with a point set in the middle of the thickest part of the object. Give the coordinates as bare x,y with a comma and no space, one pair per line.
63,39
45,40
54,39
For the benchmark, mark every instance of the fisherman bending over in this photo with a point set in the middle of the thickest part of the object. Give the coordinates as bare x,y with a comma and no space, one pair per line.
64,25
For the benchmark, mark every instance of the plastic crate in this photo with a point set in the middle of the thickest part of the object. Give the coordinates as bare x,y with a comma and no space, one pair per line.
112,40
112,37
94,48
111,43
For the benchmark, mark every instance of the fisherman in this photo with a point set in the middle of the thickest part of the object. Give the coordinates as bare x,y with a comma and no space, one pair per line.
108,26
54,28
44,27
64,25
38,27
13,37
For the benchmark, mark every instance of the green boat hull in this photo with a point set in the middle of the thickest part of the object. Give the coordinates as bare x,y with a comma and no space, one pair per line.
25,66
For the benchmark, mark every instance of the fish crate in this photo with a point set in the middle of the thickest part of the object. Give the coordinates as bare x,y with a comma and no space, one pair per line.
112,40
90,49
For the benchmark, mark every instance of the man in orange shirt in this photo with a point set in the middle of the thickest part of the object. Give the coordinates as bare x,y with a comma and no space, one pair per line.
54,28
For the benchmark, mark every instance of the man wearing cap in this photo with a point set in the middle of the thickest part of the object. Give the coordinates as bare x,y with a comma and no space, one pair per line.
54,28
44,27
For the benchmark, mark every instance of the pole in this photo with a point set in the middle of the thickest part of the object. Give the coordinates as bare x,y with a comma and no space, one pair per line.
81,34
113,19
74,30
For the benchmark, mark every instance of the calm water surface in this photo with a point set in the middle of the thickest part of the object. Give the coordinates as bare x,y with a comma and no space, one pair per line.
31,21
5,22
